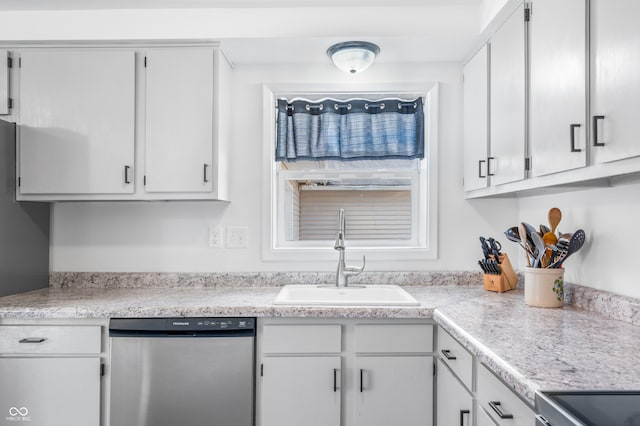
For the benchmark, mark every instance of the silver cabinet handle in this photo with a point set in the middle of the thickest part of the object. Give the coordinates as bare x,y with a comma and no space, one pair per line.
32,340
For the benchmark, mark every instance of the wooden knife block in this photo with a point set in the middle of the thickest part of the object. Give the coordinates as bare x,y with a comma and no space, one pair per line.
507,280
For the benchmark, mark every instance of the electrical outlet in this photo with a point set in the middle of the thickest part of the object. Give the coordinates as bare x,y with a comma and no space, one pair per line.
237,236
215,237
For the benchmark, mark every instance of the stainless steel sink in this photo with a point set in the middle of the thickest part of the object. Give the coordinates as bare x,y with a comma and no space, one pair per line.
325,295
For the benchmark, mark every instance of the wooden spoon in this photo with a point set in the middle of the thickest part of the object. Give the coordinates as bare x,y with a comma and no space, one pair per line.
554,217
550,238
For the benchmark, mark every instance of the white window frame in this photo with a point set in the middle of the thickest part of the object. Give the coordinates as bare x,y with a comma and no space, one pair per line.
424,247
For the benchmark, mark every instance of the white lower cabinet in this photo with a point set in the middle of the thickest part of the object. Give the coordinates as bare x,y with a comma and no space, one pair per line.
50,375
344,372
500,402
299,390
454,402
463,379
393,390
50,391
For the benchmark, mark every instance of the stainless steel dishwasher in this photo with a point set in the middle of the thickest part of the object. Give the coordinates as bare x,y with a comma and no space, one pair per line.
182,371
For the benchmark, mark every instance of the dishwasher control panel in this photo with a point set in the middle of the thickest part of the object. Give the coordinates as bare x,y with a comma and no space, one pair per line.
194,324
197,326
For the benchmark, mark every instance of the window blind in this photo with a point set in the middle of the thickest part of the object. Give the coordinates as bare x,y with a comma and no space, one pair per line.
370,214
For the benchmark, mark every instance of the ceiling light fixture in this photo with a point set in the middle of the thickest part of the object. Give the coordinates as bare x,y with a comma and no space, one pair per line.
353,56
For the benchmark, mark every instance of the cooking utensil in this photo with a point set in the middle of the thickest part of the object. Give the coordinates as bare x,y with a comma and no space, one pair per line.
524,234
540,248
554,217
512,234
575,243
544,229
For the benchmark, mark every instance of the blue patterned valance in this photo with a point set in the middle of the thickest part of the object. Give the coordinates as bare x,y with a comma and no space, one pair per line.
350,130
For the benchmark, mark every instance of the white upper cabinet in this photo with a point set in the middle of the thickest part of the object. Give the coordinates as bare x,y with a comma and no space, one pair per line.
122,122
476,120
507,147
76,133
179,120
615,86
558,70
4,82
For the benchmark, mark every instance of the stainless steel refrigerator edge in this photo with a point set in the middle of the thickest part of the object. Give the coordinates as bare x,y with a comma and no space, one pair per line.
24,227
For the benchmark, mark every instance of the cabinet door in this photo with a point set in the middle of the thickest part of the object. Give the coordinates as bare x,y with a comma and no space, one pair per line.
50,391
76,133
557,43
615,87
455,404
4,82
507,146
179,120
395,390
476,120
298,391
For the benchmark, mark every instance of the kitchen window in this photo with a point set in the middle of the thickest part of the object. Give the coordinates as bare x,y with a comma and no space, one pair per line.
387,192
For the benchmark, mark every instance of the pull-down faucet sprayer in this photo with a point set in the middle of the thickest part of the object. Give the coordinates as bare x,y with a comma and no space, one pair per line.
344,271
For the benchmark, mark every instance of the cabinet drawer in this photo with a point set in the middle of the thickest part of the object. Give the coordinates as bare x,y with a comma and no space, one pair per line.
302,338
500,402
394,338
50,339
456,357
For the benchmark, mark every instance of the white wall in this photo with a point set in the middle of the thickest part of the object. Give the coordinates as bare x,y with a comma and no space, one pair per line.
172,236
610,257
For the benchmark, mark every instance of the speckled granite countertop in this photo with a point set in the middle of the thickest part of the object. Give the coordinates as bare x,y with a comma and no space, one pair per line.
529,348
206,301
545,349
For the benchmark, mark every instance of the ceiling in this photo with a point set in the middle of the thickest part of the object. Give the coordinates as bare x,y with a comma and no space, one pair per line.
262,31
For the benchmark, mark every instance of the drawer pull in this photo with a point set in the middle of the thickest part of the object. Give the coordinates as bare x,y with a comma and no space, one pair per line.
447,354
495,406
462,413
33,340
335,380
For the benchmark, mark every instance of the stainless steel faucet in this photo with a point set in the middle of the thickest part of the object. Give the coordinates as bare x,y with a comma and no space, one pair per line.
344,271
